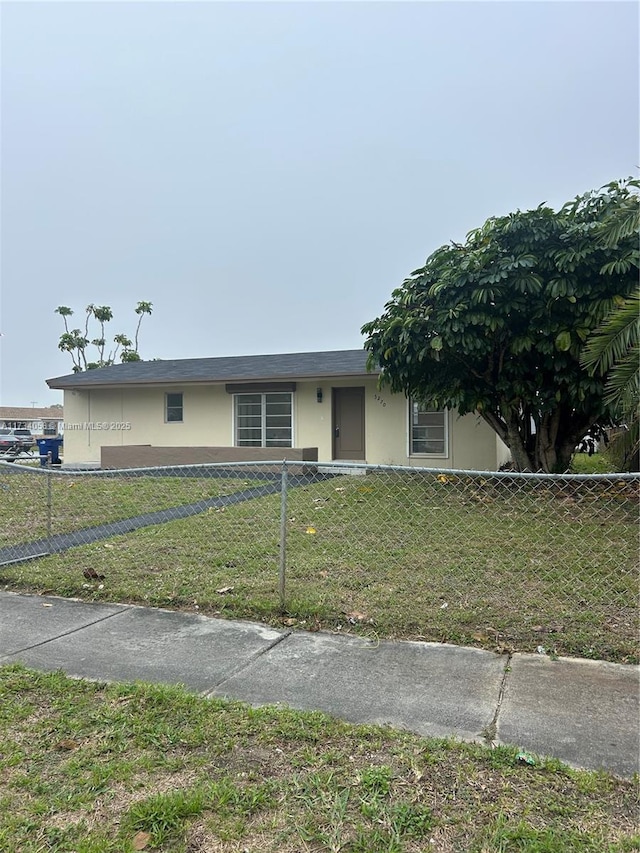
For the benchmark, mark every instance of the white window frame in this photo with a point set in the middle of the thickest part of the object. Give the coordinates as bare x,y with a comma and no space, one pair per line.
167,407
263,413
445,415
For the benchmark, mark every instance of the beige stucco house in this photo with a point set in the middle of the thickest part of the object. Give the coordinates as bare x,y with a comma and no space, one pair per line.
261,406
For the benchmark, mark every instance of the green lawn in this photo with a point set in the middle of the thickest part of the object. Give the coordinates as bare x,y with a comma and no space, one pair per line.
83,501
597,463
436,558
91,768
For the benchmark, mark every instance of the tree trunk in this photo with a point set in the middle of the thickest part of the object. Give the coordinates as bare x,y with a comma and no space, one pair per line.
564,455
549,450
516,442
546,451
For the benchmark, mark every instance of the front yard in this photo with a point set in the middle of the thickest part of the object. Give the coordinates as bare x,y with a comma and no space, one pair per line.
467,561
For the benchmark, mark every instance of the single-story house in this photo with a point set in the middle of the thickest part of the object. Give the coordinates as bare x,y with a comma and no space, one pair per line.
261,406
41,421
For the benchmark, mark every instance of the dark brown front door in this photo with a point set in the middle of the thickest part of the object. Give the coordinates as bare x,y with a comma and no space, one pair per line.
348,423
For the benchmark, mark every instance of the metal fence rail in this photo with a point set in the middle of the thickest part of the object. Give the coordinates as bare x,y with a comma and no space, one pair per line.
484,557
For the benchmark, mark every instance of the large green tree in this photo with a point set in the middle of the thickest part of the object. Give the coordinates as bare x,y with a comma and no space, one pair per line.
497,325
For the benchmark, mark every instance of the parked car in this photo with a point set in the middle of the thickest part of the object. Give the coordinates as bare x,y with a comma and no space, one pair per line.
9,441
15,441
25,438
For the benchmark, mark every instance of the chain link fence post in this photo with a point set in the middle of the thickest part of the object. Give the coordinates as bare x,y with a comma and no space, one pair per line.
48,475
283,536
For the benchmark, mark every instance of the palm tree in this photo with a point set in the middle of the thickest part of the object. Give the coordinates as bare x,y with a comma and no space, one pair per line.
613,350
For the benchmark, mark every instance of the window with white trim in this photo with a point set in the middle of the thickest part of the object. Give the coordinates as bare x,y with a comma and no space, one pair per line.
428,431
263,420
173,408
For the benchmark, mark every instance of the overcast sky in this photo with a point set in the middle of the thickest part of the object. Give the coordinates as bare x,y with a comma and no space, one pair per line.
267,173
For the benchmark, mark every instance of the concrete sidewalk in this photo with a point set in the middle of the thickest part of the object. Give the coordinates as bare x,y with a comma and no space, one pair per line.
586,713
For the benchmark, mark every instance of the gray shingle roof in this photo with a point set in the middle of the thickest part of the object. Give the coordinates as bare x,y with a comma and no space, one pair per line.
289,366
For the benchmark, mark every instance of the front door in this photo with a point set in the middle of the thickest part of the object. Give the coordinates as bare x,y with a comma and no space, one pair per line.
348,423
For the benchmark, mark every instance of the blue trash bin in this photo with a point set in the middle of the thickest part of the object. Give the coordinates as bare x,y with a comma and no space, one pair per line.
49,446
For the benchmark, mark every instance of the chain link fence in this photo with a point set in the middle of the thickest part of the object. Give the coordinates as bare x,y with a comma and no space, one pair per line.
501,560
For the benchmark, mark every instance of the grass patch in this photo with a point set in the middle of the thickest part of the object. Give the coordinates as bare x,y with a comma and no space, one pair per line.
85,500
465,561
97,768
597,463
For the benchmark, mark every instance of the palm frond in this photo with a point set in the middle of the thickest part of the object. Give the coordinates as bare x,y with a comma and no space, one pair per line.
626,224
614,338
623,383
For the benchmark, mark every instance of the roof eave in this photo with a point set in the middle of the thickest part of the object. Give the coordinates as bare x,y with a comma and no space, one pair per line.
59,385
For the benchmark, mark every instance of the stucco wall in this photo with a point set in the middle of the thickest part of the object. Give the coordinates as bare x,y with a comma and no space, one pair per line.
208,422
207,419
471,442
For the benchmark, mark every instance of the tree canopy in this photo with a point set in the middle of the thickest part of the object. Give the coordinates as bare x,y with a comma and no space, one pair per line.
497,325
77,342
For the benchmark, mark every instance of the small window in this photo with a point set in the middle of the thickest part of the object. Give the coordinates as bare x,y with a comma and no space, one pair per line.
173,408
428,434
263,420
